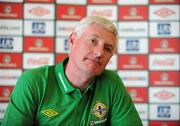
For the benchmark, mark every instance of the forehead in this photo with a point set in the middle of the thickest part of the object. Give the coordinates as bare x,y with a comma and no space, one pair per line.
100,32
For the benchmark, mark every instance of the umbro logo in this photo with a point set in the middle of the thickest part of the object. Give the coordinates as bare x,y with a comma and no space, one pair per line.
50,112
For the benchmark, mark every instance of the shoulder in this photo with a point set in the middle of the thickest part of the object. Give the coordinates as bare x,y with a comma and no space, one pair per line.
110,79
38,73
109,75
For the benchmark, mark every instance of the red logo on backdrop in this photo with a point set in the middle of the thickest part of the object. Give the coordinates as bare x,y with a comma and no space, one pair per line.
60,57
42,1
102,1
39,61
132,62
5,92
9,60
39,11
133,13
164,1
164,123
164,45
10,10
138,95
70,12
164,12
38,44
170,78
164,95
164,62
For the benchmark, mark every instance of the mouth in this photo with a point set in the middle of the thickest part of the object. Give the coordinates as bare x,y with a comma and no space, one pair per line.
95,61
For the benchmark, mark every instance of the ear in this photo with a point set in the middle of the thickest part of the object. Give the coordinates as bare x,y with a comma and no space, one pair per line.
72,39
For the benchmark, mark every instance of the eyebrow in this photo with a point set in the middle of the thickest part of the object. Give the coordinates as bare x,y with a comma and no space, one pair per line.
107,44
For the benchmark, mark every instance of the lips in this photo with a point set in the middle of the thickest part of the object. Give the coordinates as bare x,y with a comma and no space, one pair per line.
95,61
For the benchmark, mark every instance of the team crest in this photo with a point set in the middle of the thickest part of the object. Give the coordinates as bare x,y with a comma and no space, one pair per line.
100,110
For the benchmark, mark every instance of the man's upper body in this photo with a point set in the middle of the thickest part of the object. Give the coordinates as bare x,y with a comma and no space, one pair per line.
78,91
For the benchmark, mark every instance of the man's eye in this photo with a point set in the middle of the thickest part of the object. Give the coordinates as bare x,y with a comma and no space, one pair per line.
93,41
108,49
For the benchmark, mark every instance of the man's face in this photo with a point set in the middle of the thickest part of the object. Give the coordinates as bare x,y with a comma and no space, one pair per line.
90,52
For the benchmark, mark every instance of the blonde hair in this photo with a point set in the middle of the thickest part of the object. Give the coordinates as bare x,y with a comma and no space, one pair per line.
87,21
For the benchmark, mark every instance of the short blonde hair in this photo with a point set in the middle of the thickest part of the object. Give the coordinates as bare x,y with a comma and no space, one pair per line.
87,21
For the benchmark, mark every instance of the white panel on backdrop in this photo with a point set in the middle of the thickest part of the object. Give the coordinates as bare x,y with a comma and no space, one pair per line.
9,76
142,109
164,29
164,111
65,28
10,44
164,95
62,45
164,12
39,11
132,2
134,78
112,64
71,1
3,107
33,60
133,46
108,11
38,28
164,62
133,29
10,27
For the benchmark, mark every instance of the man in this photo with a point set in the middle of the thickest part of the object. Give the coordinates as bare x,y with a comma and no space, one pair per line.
78,91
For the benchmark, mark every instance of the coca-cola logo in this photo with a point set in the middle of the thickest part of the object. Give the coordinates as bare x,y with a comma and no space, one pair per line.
165,62
39,61
107,12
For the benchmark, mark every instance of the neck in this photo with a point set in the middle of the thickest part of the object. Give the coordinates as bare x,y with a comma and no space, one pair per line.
77,78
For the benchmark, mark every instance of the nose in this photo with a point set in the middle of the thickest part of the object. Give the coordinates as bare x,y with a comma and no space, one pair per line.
99,52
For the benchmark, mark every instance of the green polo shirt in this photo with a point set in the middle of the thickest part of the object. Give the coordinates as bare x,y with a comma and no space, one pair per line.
44,97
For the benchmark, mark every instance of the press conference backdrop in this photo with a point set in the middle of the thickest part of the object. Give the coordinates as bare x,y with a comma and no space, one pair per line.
35,32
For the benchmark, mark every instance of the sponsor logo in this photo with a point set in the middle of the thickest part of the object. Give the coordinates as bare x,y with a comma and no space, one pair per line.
166,45
50,112
5,92
132,45
65,28
9,60
164,95
38,44
164,62
164,111
164,29
39,11
38,27
170,78
32,60
133,29
9,76
100,110
62,45
102,1
108,11
138,95
10,27
133,13
132,62
10,11
164,12
71,12
6,43
134,78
